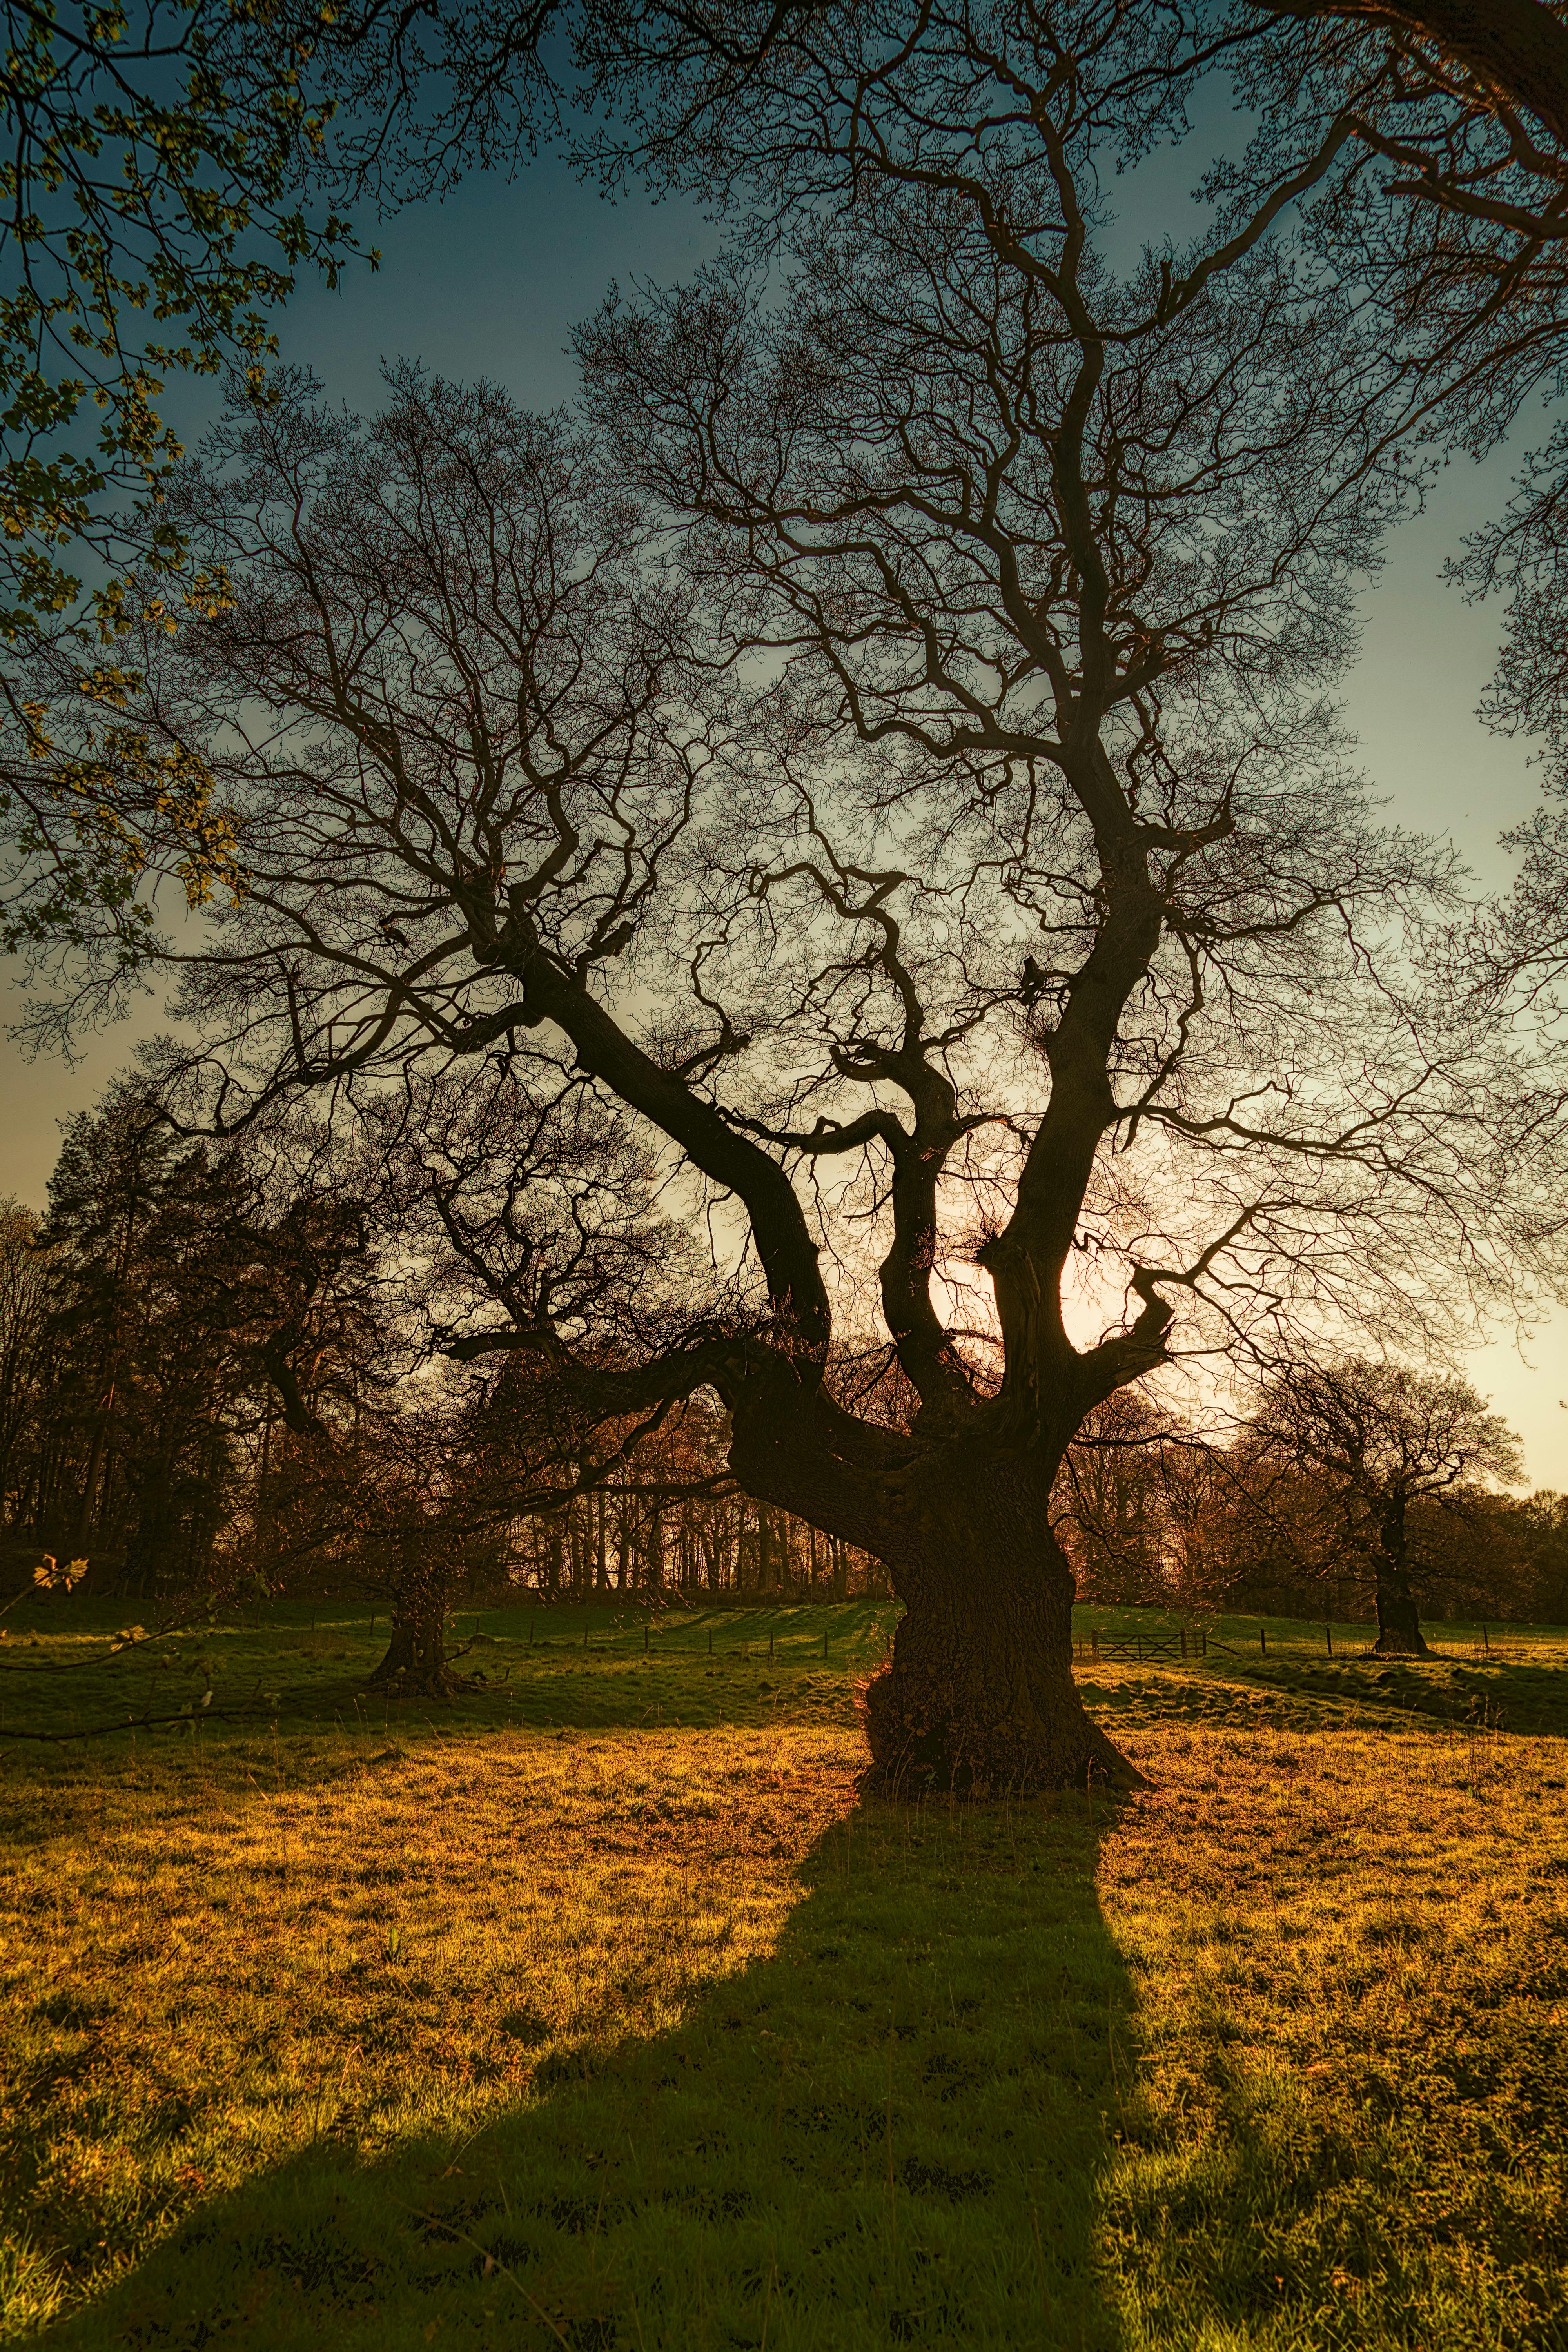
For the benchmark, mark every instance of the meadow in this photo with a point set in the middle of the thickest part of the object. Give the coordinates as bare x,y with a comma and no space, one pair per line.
596,2009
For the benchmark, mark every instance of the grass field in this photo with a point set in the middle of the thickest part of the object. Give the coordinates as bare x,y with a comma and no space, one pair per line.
596,2010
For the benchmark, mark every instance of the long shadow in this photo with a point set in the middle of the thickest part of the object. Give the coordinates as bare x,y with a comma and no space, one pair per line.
890,2132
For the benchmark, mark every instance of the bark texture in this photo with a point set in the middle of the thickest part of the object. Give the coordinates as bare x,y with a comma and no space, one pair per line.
417,1664
977,1696
1399,1633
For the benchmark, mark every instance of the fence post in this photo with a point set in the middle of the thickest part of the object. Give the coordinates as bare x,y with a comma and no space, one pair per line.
1183,1645
1203,1638
1263,1639
1330,1632
644,1625
1485,1642
1094,1640
770,1649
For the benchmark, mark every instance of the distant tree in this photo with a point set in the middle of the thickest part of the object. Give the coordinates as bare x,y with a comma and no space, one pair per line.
24,1346
409,1511
1479,1554
1371,1444
1108,1503
176,1300
1538,1528
112,1188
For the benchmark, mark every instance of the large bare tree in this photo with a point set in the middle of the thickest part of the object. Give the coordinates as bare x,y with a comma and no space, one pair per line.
1419,146
886,763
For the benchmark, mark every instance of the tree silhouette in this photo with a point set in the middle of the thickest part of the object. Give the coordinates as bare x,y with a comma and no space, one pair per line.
1382,1440
701,992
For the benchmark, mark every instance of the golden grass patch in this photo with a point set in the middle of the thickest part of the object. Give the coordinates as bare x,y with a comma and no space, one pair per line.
1350,1957
1327,1971
209,1964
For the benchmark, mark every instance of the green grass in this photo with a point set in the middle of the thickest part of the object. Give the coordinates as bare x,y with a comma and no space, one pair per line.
538,2019
1306,1636
1290,1679
295,1664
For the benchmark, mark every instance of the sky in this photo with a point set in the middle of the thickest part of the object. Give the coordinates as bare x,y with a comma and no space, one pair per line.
490,282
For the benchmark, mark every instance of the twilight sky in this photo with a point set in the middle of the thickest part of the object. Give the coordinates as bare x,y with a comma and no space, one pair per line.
489,283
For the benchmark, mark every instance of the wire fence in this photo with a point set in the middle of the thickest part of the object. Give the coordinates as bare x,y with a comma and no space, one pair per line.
1353,1644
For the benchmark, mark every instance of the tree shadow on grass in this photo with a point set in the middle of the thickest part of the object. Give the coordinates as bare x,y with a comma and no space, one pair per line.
890,2132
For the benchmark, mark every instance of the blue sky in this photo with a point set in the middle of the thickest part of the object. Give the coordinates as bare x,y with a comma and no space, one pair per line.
490,281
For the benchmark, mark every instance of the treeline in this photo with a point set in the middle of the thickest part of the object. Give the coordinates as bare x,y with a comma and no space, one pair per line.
216,1368
640,1535
1152,1514
185,1327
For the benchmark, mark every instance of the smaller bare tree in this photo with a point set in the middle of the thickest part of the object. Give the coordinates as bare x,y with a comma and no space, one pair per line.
1382,1438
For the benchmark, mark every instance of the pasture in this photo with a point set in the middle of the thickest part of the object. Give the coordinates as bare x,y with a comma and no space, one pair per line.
594,2010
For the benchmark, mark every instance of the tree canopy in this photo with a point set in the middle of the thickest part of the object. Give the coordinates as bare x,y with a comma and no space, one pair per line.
162,185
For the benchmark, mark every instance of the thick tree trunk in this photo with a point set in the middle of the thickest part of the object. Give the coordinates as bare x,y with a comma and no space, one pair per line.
1399,1633
415,1664
978,1697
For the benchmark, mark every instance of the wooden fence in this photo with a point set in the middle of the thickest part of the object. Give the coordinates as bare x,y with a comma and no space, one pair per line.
1193,1644
1195,1641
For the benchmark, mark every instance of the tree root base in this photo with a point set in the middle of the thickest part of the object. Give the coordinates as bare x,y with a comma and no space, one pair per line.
937,1754
420,1668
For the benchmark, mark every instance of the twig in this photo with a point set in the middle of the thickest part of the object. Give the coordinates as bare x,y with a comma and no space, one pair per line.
436,2222
138,1723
